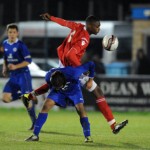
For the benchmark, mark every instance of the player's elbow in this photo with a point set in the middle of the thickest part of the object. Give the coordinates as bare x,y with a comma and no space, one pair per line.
70,55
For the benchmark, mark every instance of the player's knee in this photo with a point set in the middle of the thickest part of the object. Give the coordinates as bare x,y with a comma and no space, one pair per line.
81,111
6,100
91,89
47,105
98,92
45,109
82,114
6,97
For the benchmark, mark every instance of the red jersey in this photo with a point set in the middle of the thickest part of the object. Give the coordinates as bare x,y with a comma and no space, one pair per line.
74,46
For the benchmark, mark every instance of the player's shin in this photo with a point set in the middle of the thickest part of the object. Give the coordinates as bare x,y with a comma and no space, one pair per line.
31,112
86,126
106,111
42,117
104,107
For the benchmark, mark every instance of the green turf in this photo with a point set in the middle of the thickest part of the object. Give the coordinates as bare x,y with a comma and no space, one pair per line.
62,131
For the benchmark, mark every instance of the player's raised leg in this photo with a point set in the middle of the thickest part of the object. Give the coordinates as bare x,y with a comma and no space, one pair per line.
106,111
102,105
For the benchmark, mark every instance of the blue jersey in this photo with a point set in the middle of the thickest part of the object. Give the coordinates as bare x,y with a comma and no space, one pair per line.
72,75
15,53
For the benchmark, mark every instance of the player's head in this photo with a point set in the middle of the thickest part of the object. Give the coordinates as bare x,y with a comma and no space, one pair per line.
58,80
92,24
12,32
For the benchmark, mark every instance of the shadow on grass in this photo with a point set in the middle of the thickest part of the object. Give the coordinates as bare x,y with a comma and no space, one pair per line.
60,133
86,145
133,146
98,145
101,145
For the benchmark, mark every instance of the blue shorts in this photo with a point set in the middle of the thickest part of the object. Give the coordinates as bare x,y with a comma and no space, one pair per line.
19,82
64,100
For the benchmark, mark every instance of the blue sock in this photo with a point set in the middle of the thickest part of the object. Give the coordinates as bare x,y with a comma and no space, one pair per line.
31,112
86,126
16,96
39,123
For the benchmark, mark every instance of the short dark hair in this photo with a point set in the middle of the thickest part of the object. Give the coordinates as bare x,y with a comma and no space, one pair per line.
57,79
12,26
91,19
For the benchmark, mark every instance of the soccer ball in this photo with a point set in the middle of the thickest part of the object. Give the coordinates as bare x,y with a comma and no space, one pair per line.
110,42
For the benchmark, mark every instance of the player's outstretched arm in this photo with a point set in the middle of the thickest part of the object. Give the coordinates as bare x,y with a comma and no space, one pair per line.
69,24
71,56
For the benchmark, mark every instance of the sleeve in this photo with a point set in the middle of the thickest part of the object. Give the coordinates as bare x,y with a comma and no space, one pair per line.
47,77
89,66
71,56
42,89
69,24
25,53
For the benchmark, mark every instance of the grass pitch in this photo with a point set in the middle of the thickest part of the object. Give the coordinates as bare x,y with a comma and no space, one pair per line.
62,131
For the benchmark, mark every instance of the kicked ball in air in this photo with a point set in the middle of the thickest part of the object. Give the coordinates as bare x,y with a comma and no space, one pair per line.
110,42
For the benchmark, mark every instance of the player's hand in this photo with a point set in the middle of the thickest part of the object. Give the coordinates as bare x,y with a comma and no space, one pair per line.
12,67
4,72
45,16
31,96
89,83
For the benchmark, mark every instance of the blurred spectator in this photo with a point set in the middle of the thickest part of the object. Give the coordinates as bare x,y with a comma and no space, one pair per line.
1,49
99,66
142,63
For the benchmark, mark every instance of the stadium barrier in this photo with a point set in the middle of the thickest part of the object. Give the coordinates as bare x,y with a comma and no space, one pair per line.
122,93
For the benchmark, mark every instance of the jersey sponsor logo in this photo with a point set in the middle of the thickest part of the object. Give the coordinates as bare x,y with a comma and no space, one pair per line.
10,56
14,49
12,60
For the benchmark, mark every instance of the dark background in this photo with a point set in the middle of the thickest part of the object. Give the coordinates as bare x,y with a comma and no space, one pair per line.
22,10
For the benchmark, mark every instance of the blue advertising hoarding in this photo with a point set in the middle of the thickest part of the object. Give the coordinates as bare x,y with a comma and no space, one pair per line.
141,13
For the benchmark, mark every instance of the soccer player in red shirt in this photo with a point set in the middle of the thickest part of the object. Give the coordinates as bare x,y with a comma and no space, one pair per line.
70,53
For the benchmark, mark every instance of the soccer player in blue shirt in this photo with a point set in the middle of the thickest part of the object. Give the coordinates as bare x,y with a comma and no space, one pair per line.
65,90
16,60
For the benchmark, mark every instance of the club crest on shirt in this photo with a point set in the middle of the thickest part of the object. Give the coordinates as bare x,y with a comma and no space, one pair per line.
14,49
6,49
83,43
66,86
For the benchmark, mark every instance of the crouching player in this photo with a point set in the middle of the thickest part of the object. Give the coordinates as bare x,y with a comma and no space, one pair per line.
65,89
